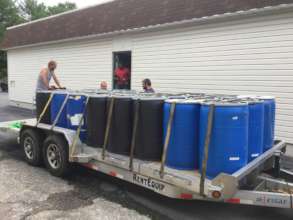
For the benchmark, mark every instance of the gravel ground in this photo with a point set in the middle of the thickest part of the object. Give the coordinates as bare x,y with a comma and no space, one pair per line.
31,193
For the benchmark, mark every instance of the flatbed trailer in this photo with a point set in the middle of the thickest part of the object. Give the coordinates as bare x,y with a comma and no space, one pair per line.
262,182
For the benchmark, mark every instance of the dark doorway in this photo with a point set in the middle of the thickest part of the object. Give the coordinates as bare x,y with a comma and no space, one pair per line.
122,70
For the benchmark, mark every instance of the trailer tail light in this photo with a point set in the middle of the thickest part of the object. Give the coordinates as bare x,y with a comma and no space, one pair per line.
233,200
186,196
216,194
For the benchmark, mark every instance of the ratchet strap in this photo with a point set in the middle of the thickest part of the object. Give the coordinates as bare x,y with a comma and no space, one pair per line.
134,132
109,122
291,195
45,109
73,146
206,148
167,140
60,111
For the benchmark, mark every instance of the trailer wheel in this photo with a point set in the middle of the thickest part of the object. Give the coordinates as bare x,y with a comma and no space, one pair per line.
31,142
55,153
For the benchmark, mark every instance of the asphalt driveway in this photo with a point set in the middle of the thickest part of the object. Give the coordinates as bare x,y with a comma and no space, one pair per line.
8,113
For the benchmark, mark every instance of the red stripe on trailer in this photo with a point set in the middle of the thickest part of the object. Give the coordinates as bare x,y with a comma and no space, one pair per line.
233,200
112,173
186,196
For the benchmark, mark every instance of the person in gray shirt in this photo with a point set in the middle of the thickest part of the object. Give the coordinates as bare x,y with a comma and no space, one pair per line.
45,77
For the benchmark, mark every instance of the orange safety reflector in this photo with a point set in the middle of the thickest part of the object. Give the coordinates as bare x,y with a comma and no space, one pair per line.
233,200
186,196
216,194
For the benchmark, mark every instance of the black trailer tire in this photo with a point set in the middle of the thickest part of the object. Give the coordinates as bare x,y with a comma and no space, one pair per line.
55,153
31,142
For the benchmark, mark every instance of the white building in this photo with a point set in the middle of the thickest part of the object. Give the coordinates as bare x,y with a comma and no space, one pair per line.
227,47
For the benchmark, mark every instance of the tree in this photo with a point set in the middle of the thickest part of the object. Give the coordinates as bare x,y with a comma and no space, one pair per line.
8,16
3,65
32,9
61,7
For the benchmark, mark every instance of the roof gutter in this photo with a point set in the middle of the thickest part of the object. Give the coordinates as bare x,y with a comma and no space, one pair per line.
222,17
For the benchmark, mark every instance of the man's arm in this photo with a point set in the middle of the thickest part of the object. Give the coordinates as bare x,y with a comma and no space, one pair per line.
57,81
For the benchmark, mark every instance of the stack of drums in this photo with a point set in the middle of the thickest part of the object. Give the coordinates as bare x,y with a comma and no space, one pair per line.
120,135
96,117
228,149
269,121
149,134
243,127
42,98
183,146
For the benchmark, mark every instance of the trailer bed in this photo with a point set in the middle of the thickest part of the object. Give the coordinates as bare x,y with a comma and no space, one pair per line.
267,190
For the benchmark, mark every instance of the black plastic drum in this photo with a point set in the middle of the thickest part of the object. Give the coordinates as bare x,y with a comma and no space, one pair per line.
149,136
121,126
42,98
96,118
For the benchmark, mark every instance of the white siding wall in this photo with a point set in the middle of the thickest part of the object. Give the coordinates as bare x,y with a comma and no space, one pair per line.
248,57
252,56
80,65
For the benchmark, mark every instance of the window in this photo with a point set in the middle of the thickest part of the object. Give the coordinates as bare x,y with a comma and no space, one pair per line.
122,70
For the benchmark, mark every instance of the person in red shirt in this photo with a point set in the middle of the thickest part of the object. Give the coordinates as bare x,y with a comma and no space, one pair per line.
122,77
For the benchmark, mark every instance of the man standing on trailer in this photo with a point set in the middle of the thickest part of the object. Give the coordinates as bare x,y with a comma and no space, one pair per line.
45,77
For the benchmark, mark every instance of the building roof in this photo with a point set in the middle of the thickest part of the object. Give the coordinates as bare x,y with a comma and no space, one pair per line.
123,15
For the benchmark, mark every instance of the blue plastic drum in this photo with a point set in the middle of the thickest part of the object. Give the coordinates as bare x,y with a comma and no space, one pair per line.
56,104
256,130
269,122
183,146
228,149
75,109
